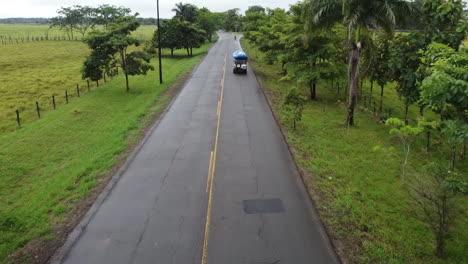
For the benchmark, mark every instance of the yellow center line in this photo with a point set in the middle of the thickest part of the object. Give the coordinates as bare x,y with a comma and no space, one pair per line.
208,180
211,172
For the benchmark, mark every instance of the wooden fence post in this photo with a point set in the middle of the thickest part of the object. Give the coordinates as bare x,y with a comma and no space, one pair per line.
53,101
78,90
18,120
66,96
38,110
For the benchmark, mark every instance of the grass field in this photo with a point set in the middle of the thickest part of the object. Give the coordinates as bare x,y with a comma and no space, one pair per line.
50,164
35,71
357,190
22,31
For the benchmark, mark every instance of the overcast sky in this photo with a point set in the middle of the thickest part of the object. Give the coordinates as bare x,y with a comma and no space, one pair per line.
146,8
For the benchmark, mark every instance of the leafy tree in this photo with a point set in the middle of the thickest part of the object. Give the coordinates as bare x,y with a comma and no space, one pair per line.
405,62
255,9
84,18
68,18
207,21
271,34
313,57
109,48
444,91
252,23
93,67
185,12
88,19
357,16
193,37
106,14
406,135
444,22
232,20
381,67
434,200
171,35
294,102
428,126
415,21
177,34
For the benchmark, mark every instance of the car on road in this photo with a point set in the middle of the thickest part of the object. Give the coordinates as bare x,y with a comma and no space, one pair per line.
240,62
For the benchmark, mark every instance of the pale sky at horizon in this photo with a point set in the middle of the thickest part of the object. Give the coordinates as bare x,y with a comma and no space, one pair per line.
146,8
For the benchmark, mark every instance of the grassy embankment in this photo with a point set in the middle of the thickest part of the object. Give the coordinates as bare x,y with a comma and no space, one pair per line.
35,71
49,165
358,191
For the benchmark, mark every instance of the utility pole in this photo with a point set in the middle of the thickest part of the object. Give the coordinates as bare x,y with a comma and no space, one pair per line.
159,47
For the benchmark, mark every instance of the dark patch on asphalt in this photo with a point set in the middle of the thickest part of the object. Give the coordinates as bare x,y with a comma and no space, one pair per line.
259,206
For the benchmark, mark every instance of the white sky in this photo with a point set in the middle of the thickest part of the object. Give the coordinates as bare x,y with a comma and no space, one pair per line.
146,8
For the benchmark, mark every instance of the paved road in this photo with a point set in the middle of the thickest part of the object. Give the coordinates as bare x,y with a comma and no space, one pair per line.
204,189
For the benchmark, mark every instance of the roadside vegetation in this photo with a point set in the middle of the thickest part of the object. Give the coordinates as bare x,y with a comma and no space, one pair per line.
377,120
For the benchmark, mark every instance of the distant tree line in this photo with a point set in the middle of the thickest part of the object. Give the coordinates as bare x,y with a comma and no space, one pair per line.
189,28
25,20
47,21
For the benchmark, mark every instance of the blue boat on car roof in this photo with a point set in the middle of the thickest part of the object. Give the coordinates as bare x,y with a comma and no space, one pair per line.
239,55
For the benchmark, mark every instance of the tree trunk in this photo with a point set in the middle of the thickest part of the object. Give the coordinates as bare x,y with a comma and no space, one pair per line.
421,111
126,82
124,68
312,86
172,52
381,97
353,75
440,241
406,113
454,154
428,141
463,151
188,51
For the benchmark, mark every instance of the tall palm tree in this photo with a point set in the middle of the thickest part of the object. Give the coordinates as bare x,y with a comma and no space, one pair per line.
185,12
360,17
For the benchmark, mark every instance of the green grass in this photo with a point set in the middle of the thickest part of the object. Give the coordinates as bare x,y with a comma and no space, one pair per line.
50,164
35,71
358,191
19,31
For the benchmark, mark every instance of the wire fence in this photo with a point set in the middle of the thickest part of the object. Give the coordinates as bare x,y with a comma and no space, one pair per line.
8,39
29,114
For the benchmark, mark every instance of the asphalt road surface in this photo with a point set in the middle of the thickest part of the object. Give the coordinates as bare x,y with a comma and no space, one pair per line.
214,183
